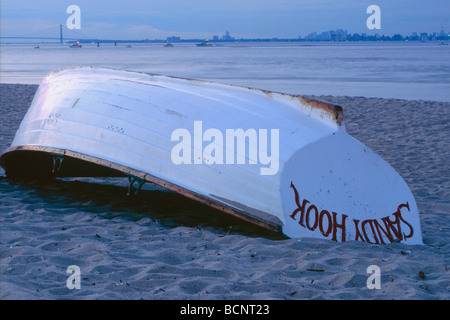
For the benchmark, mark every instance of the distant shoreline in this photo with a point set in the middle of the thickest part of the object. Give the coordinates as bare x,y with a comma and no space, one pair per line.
86,41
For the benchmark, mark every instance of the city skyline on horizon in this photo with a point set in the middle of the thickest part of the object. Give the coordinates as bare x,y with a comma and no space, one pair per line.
336,35
202,18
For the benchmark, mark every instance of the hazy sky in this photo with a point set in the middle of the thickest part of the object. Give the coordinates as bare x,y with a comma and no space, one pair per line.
157,19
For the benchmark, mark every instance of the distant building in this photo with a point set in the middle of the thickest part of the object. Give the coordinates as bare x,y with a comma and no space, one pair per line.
173,39
311,37
332,35
414,37
227,37
441,35
325,36
424,36
341,35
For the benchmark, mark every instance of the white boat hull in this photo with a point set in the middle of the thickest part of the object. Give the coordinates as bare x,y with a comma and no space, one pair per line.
320,182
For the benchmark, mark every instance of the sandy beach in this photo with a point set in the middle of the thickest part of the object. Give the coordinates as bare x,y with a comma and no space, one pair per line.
159,245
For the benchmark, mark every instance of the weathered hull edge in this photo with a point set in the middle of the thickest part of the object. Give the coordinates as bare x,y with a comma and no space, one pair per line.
255,217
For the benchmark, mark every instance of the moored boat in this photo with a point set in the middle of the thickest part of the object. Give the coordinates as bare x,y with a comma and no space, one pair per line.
76,44
283,162
205,43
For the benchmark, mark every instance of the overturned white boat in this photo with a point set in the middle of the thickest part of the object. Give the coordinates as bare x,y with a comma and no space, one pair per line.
283,162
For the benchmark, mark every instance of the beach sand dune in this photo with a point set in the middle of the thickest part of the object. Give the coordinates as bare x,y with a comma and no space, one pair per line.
159,245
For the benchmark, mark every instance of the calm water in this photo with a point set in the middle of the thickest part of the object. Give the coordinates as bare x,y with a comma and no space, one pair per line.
387,70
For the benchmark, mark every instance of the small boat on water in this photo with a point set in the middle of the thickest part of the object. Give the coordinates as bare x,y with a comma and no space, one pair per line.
168,44
76,45
205,43
283,162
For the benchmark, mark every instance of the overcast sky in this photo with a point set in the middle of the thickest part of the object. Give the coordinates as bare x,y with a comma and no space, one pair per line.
157,19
